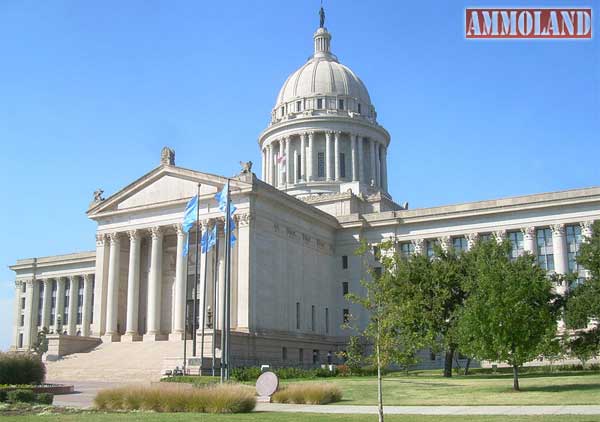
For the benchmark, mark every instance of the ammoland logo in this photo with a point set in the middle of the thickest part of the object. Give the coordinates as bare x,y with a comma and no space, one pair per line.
528,23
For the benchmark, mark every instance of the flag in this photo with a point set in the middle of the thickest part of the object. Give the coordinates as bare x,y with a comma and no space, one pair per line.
222,199
209,238
191,214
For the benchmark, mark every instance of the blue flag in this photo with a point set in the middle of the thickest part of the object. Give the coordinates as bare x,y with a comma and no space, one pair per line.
191,214
222,199
209,238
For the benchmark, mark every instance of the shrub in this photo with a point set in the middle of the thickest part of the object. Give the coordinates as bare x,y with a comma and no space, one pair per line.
19,368
22,396
308,393
229,398
342,370
3,396
44,398
245,374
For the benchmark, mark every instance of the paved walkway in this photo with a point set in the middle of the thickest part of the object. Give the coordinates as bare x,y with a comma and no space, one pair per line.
432,410
85,392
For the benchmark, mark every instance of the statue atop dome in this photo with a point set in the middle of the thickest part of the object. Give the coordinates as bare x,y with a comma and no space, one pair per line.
322,17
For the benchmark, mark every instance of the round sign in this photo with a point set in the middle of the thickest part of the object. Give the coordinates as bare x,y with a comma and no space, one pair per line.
267,384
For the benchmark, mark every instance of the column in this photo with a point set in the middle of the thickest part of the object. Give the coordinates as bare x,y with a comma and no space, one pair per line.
87,305
46,303
100,285
378,164
221,270
17,313
472,240
201,286
269,161
500,235
354,153
361,158
263,165
29,327
243,271
133,288
60,305
373,176
312,154
336,155
328,174
289,177
180,279
384,183
445,243
529,244
303,137
154,286
586,229
419,245
112,295
559,246
73,296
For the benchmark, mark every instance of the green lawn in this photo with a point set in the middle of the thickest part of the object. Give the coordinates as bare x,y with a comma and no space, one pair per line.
428,388
283,417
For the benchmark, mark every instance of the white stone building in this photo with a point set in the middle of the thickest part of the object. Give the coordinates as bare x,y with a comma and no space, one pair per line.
324,185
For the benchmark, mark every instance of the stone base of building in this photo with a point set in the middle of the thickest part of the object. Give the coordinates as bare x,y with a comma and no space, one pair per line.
155,337
130,337
61,345
111,337
175,336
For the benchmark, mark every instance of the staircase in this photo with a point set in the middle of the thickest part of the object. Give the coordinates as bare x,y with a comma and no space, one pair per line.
116,362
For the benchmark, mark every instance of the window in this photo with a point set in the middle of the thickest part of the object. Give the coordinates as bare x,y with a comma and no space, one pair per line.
284,353
298,105
65,318
431,355
358,108
376,253
341,104
22,323
377,271
40,308
342,164
460,244
430,246
327,320
319,103
20,340
312,318
574,239
485,237
346,316
407,249
80,303
316,357
22,303
516,243
344,262
91,316
300,355
282,111
345,289
321,164
545,249
299,167
297,315
53,304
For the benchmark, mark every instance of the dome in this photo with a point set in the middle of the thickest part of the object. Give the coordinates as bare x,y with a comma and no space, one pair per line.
323,85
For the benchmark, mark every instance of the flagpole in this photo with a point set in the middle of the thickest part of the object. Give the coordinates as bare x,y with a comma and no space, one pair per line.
185,312
195,289
215,300
228,285
204,301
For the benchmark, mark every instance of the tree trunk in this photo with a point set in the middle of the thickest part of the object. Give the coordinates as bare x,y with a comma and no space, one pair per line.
467,366
516,378
379,383
448,362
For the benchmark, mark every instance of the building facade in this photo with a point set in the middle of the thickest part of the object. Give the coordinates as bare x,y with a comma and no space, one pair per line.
323,188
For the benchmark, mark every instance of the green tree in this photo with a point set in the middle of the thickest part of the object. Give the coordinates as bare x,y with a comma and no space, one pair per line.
583,302
430,294
510,312
585,345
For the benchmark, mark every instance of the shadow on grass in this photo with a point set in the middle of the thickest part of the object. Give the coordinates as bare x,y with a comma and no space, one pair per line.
561,388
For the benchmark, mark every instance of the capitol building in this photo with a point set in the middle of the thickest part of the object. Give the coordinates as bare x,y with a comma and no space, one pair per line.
323,187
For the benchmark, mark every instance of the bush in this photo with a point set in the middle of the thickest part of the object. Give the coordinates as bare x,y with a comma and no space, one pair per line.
44,398
228,398
308,393
19,368
21,396
3,396
245,374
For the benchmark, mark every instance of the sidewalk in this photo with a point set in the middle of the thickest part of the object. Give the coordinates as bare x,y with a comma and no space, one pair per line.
432,410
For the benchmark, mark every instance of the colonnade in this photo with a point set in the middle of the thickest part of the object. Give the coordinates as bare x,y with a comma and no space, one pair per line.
280,166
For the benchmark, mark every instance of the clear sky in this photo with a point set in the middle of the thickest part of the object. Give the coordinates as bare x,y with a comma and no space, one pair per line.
91,91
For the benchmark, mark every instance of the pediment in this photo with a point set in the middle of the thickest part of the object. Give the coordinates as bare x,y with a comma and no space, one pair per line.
163,185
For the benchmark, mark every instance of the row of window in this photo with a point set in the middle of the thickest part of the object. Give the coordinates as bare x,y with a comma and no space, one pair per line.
313,314
301,105
316,356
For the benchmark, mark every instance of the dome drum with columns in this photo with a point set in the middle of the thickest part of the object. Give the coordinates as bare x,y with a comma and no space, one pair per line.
324,136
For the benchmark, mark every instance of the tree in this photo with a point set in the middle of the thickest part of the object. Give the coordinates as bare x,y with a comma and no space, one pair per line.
585,345
583,302
388,343
510,312
429,294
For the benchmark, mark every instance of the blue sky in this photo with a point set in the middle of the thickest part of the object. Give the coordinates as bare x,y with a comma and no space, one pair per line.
90,93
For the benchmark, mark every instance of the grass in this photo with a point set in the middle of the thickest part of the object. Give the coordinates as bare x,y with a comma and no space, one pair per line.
428,388
282,417
308,393
228,398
